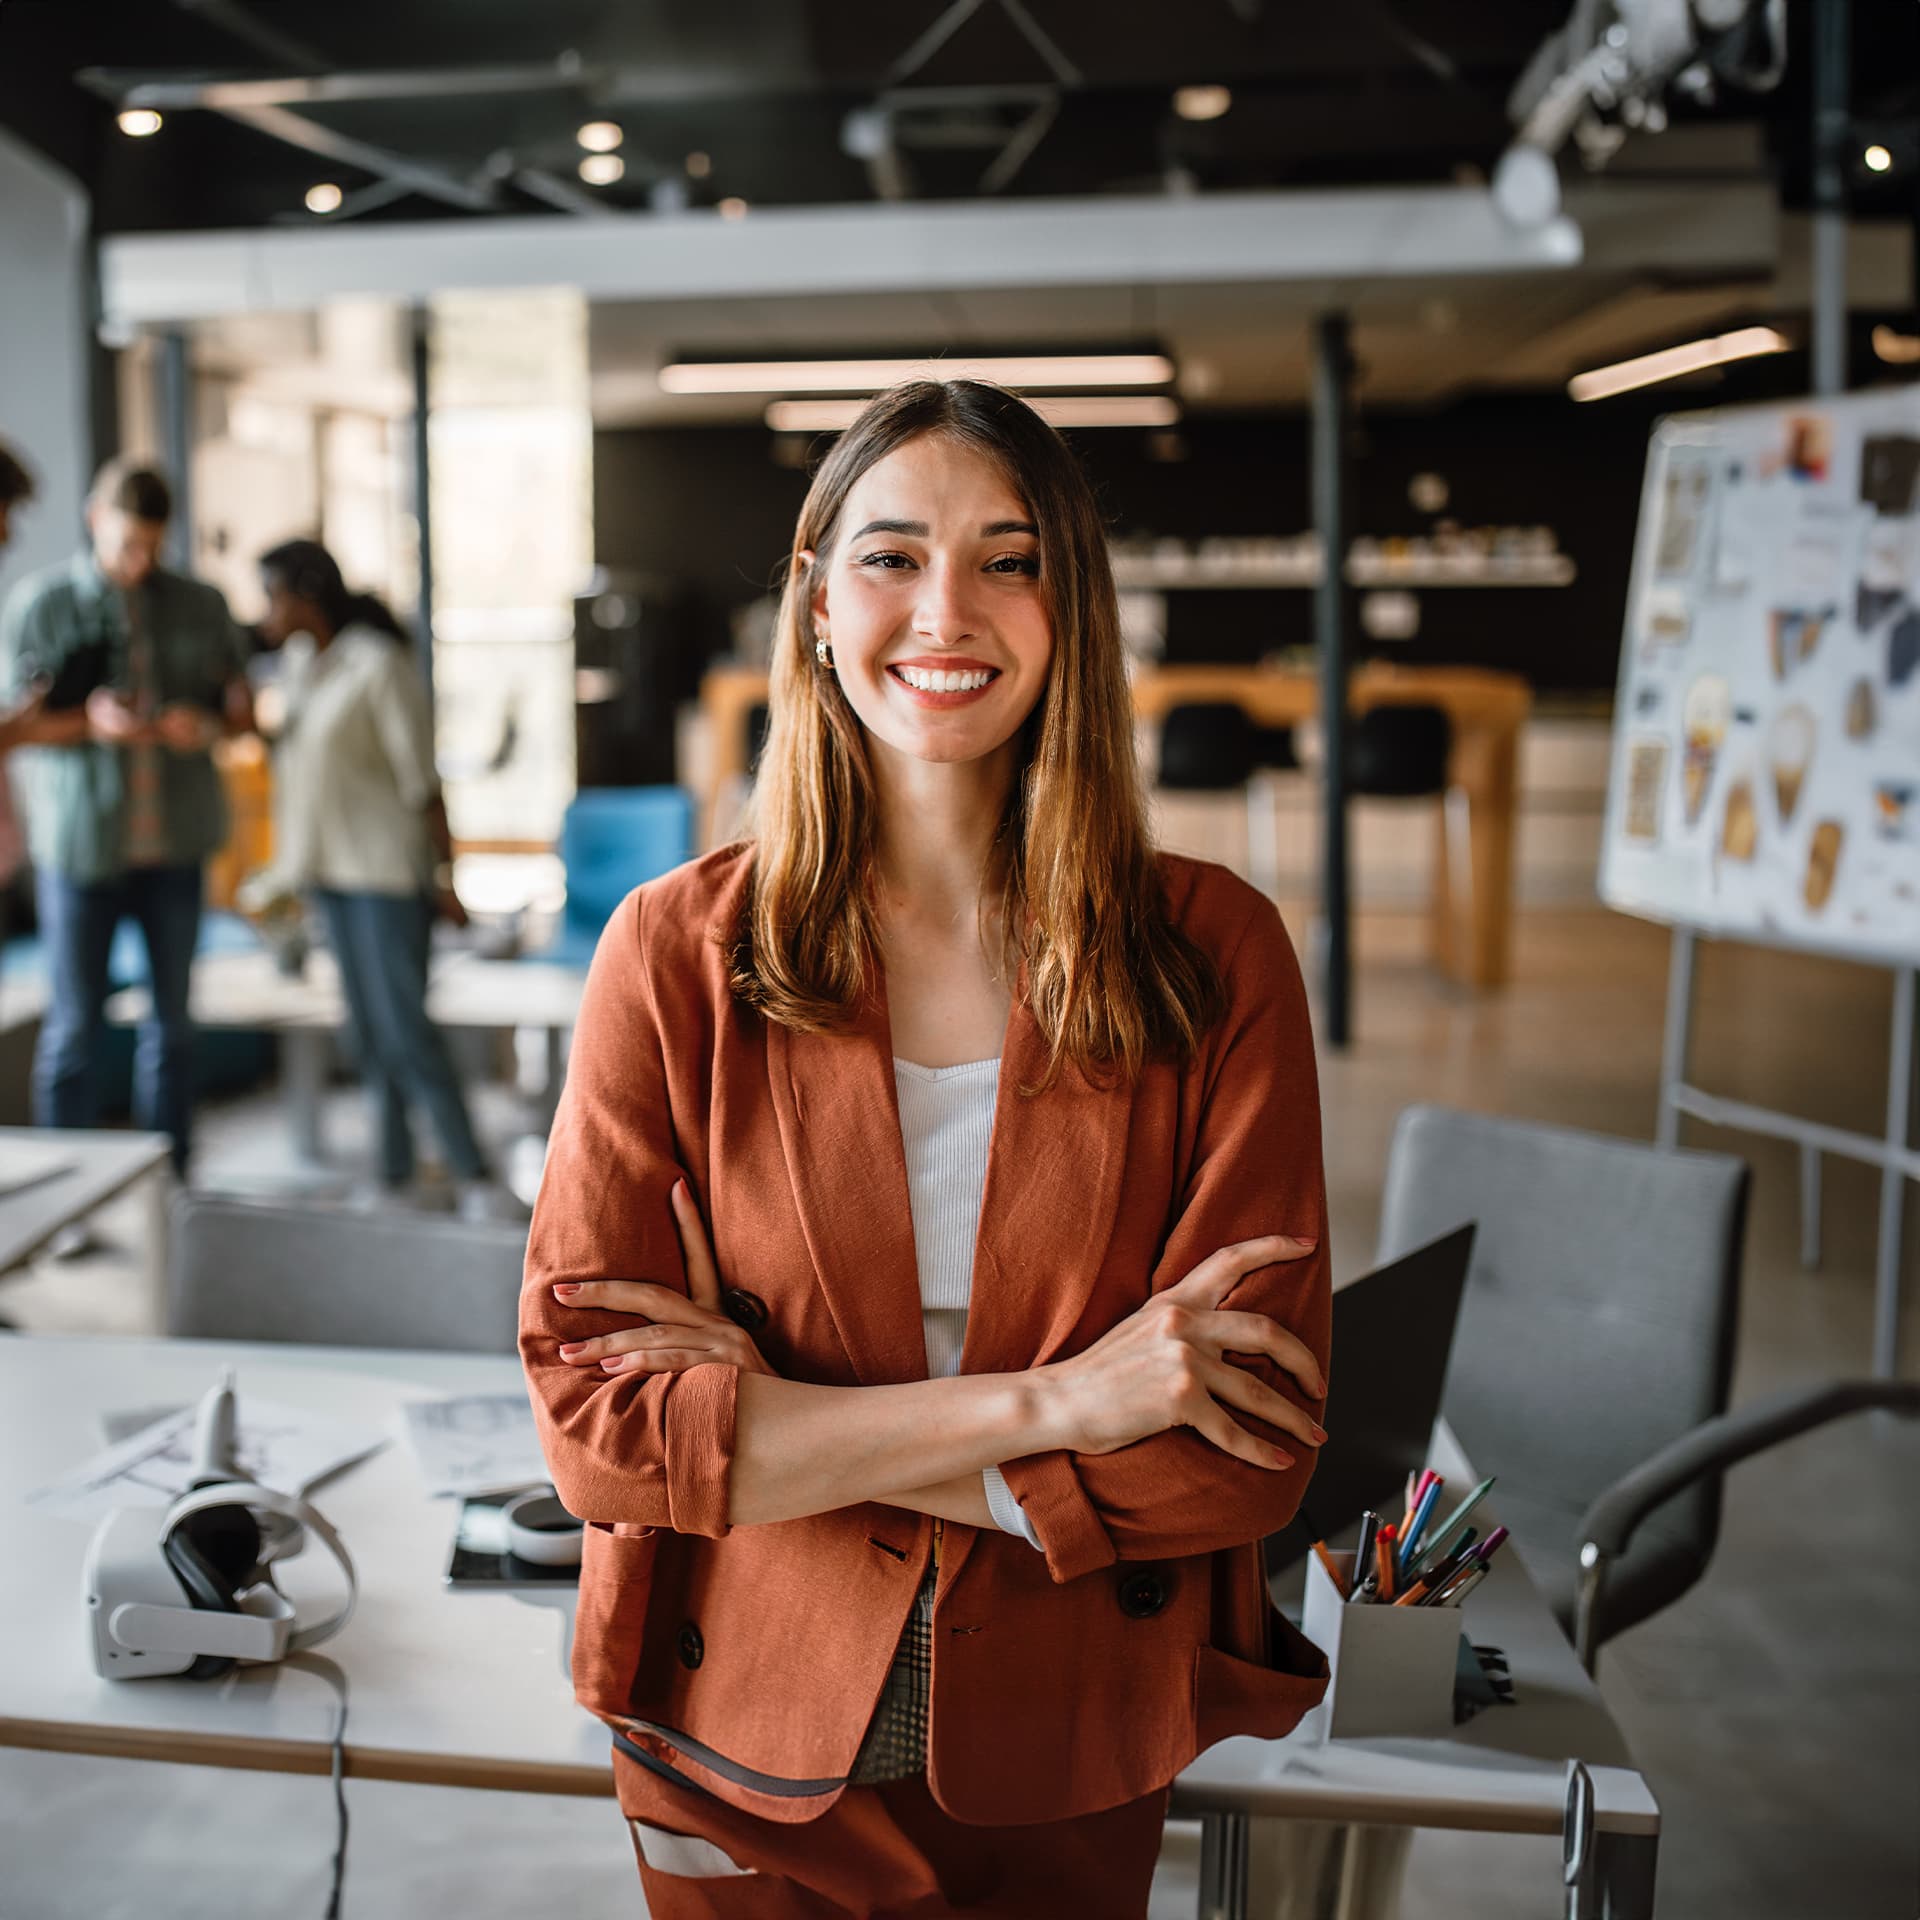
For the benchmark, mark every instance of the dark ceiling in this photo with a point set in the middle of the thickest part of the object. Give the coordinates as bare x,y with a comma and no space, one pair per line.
1369,91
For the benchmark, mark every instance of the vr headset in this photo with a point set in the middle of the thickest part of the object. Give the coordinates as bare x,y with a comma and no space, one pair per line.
190,1589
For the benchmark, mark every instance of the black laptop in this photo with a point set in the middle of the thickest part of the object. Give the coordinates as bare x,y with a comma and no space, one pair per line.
1392,1333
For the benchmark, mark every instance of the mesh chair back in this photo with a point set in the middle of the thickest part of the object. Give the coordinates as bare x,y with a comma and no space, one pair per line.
239,1270
1598,1321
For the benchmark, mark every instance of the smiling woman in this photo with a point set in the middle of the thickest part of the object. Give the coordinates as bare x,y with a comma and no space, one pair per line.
973,545
927,1299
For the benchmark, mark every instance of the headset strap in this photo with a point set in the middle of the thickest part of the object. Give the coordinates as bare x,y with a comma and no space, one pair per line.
287,1506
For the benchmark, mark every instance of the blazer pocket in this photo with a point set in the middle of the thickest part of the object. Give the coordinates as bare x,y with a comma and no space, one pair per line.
616,1578
1233,1696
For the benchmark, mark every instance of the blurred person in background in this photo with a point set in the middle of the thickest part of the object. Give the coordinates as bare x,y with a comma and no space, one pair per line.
16,717
360,824
142,672
16,489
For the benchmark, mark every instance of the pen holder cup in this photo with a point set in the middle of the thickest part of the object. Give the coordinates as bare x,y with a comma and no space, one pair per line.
1392,1667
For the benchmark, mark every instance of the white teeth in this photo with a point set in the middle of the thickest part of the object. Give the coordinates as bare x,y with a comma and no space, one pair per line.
938,680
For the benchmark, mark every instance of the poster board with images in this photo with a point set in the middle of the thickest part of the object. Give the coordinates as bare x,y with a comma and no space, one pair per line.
1765,777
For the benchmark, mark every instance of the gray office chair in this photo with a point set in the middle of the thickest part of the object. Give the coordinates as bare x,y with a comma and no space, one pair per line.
1596,1332
241,1270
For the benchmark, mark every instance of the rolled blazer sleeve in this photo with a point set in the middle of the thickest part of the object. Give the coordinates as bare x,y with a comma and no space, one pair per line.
1255,1169
652,1451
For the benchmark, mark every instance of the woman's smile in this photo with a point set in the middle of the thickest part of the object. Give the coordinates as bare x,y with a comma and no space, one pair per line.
954,685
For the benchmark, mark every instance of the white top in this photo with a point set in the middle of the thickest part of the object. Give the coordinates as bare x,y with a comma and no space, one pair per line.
353,771
946,1126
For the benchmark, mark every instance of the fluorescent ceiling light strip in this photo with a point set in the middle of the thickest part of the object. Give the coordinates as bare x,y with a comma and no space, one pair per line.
869,376
1672,362
1076,410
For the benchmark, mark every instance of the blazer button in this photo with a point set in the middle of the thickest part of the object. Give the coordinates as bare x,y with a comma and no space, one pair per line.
690,1647
1142,1595
744,1309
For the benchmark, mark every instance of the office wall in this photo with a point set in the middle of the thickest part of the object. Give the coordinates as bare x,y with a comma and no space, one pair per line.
710,509
43,350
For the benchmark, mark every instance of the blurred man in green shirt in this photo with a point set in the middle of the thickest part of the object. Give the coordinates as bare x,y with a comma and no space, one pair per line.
140,671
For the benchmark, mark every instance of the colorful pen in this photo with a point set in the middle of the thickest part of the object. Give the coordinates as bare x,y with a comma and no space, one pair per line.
1363,1552
1457,1562
1445,1540
1492,1543
1422,1513
1462,1587
1383,1559
1332,1572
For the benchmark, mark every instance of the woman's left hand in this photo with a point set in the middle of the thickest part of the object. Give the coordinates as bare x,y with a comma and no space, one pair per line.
686,1329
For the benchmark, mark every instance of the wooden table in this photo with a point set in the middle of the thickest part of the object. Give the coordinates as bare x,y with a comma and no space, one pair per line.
1472,910
470,1689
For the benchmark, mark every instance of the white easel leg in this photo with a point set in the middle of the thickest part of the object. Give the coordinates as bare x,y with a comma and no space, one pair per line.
1893,1181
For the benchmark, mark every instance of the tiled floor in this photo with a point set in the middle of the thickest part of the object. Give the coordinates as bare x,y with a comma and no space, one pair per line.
1774,1708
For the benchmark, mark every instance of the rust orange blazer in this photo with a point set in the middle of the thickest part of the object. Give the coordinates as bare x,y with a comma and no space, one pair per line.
747,1661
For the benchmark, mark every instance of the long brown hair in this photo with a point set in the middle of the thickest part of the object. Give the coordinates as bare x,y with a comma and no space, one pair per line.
1111,980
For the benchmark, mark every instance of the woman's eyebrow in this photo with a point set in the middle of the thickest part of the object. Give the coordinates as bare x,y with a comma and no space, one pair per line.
917,529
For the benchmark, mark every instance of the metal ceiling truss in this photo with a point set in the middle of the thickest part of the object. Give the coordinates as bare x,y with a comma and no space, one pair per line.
267,106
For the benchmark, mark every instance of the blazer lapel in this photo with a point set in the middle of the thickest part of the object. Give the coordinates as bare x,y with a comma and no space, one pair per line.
839,1120
1051,1200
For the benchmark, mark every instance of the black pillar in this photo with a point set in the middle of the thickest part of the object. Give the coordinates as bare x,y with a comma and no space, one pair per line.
1332,379
422,489
1832,162
176,441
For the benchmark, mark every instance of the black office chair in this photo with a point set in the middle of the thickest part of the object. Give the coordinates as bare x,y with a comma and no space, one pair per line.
1217,747
1398,753
1596,1334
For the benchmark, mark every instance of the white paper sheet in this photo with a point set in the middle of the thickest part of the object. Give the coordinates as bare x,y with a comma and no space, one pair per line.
474,1442
286,1448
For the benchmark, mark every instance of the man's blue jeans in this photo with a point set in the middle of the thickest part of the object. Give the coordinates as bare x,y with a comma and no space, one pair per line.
77,923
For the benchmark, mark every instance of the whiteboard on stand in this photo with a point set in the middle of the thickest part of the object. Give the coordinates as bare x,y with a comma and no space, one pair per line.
1765,776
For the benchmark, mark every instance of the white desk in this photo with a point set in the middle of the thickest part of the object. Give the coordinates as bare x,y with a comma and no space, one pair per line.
248,990
467,1689
101,1165
455,1689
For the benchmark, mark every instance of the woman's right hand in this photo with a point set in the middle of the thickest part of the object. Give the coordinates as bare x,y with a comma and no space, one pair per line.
1165,1366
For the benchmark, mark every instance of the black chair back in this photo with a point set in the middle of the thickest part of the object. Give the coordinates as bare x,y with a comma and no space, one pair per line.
1208,747
1399,753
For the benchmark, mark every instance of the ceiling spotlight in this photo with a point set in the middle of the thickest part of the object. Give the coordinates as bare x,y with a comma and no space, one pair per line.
732,208
324,198
602,169
1878,159
1201,103
699,165
138,122
600,136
